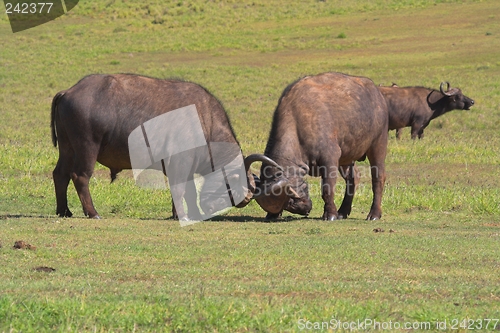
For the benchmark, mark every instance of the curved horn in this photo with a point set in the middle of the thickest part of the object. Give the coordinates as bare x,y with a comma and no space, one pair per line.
446,93
282,186
275,189
259,158
254,181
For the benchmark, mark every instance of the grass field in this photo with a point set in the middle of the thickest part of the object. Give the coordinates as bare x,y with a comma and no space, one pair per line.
437,260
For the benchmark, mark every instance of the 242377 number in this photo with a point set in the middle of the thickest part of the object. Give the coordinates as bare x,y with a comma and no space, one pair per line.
477,324
28,8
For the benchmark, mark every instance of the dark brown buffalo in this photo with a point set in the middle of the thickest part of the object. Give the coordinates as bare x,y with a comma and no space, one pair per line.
92,121
417,106
322,125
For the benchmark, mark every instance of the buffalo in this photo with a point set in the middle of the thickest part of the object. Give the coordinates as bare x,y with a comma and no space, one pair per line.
417,106
323,124
92,121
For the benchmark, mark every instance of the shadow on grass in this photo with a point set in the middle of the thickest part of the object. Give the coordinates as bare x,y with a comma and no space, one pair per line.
246,218
280,220
213,219
22,216
220,218
239,219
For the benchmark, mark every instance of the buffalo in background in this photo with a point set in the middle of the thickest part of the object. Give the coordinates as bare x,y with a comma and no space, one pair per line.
417,106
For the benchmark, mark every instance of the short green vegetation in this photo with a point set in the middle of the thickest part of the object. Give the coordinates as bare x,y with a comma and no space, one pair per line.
434,256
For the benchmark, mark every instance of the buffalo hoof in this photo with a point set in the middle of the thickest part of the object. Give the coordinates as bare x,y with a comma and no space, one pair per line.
343,214
374,214
196,217
65,213
272,217
331,217
186,218
96,217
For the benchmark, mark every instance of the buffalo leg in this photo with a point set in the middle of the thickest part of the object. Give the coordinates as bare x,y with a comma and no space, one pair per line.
351,176
61,177
377,166
82,171
177,191
271,216
183,188
185,192
175,216
191,197
399,133
416,130
328,181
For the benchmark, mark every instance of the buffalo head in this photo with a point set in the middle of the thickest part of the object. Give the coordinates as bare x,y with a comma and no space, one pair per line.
283,189
457,100
210,197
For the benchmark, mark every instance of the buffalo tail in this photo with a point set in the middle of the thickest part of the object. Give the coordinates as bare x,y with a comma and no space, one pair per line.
53,116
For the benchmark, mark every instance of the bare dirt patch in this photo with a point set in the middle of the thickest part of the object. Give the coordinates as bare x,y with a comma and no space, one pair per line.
22,245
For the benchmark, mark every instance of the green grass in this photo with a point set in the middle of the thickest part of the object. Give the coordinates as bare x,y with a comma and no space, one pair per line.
235,276
139,270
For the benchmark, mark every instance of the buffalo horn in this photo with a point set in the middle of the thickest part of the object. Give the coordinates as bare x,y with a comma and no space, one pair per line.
447,93
260,158
275,189
280,186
